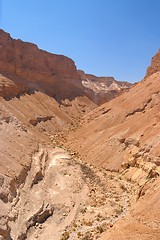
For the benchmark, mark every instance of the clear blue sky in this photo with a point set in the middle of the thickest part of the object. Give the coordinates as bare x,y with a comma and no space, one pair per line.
104,37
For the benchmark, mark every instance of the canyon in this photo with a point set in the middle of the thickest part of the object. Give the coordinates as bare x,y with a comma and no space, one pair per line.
79,154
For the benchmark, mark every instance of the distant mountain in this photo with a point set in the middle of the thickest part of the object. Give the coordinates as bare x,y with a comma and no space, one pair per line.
102,89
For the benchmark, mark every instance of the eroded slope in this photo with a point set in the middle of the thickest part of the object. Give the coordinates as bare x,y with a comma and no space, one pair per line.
128,123
124,135
26,120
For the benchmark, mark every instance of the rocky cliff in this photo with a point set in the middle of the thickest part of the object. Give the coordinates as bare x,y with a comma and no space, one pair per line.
55,75
39,70
155,65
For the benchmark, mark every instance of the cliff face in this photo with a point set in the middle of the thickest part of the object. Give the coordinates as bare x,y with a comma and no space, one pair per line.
55,75
155,65
102,89
52,74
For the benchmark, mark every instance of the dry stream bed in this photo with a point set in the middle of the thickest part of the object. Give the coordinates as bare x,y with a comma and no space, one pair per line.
63,198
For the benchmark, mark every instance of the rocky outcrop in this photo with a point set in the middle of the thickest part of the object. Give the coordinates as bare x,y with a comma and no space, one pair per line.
155,65
102,89
55,75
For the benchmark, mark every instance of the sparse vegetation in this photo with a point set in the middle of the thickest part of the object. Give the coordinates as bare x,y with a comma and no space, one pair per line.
123,187
88,236
65,236
79,234
100,229
88,222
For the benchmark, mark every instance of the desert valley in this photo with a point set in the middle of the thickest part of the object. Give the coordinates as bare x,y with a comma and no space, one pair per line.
79,154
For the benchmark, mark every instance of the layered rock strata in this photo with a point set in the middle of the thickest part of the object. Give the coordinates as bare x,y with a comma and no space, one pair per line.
102,89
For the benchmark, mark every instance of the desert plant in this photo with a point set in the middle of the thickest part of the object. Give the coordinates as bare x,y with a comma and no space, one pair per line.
100,229
65,236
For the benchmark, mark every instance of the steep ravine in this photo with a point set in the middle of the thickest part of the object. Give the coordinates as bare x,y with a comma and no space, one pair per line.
63,198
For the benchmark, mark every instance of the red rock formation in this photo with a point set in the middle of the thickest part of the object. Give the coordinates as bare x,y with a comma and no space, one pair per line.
53,74
155,65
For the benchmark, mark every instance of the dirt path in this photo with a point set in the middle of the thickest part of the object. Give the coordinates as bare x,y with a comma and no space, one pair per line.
62,198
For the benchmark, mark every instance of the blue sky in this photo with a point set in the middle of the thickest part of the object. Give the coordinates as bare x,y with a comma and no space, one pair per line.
104,37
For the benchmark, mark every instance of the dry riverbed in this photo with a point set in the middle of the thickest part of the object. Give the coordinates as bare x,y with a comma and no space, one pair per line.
63,198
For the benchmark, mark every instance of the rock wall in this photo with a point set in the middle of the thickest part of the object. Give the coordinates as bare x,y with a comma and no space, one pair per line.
55,75
33,69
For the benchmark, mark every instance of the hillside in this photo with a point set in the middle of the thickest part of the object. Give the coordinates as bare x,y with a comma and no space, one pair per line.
128,121
123,135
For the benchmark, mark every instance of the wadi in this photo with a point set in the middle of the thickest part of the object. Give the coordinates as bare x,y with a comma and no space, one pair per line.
79,154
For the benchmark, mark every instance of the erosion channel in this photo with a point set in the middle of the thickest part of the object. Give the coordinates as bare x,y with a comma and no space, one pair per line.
63,198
